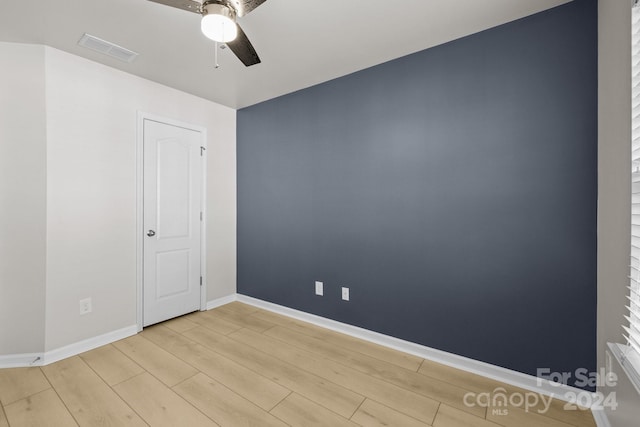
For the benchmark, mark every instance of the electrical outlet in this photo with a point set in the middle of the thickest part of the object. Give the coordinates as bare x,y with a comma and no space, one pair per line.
85,306
319,288
345,294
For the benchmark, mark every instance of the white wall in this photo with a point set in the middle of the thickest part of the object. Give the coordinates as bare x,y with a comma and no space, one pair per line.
22,198
68,194
614,171
91,194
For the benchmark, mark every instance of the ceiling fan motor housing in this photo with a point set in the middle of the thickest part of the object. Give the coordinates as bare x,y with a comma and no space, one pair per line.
216,7
219,21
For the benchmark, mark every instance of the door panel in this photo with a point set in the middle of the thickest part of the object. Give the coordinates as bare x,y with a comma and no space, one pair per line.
173,188
171,269
172,206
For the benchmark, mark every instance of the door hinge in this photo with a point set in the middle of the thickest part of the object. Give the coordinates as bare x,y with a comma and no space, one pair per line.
200,280
202,151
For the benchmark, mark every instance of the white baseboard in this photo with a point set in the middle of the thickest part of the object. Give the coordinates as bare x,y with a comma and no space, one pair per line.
600,417
41,359
221,301
508,376
20,360
88,344
52,356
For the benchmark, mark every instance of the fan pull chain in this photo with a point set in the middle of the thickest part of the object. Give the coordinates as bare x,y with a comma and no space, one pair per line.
216,56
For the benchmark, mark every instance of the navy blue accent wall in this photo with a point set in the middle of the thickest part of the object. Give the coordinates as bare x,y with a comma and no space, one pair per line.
453,191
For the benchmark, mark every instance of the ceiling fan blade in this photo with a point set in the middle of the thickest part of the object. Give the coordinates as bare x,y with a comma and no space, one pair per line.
243,49
188,5
245,6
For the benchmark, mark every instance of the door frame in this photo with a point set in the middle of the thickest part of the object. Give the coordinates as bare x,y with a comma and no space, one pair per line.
141,117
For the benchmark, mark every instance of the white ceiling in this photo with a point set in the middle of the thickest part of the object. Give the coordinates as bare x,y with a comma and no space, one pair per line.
300,42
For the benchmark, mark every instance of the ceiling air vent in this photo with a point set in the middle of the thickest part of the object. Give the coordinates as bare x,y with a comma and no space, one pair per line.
108,48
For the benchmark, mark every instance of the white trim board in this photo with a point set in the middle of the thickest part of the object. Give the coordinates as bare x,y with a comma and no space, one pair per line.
600,417
41,359
508,376
88,344
221,301
21,360
26,360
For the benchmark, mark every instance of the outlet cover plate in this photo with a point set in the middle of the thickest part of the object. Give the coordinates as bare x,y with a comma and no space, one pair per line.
319,288
345,294
85,306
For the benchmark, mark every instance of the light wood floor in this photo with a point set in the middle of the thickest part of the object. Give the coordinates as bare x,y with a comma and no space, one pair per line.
241,366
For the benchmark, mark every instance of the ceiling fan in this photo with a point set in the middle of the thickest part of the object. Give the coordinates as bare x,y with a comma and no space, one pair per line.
219,23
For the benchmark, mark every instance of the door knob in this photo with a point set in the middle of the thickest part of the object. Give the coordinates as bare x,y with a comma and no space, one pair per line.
151,233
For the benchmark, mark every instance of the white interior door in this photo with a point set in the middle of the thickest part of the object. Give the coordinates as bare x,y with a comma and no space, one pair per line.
172,201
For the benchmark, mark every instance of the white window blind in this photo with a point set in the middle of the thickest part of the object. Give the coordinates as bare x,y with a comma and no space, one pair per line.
633,328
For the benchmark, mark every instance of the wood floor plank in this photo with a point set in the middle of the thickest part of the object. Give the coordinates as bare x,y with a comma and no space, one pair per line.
247,383
467,380
297,411
111,364
516,417
222,405
555,410
373,414
158,405
221,326
464,379
89,399
246,321
398,358
180,324
582,417
410,403
338,399
18,383
240,308
3,418
44,409
408,379
159,362
448,416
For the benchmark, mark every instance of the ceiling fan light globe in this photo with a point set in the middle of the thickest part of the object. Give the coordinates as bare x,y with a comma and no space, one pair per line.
218,25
